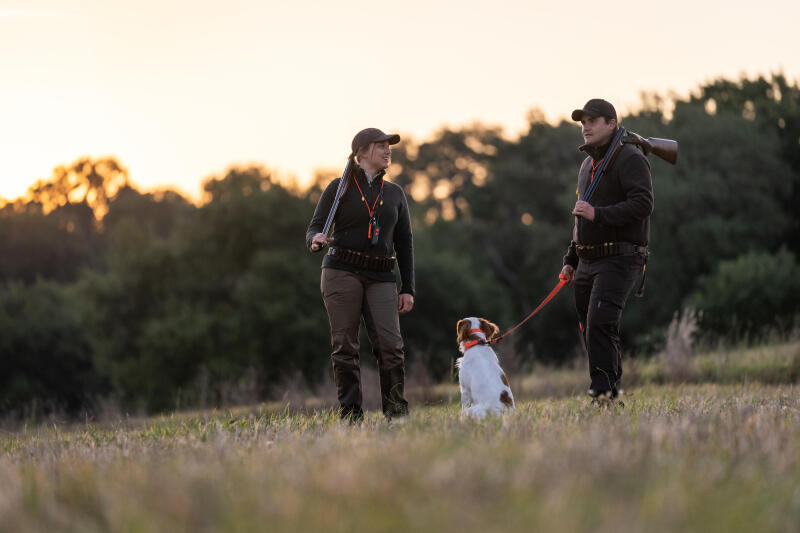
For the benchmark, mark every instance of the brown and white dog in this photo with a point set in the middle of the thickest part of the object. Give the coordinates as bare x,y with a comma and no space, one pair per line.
484,387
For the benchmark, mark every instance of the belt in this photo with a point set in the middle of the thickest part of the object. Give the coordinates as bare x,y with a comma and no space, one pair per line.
608,249
375,263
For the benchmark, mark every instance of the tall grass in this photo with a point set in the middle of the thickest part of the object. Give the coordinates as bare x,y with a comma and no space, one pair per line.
675,458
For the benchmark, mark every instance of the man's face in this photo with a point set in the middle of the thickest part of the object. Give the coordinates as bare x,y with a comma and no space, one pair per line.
597,131
378,155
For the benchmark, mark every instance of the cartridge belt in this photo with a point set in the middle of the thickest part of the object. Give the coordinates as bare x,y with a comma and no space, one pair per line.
375,263
608,249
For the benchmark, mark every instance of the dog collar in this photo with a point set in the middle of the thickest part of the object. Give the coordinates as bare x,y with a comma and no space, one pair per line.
470,344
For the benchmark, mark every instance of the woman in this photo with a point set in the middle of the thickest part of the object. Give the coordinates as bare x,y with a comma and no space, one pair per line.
358,281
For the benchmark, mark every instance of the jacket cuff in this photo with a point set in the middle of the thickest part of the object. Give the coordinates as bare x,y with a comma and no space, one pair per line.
599,215
571,258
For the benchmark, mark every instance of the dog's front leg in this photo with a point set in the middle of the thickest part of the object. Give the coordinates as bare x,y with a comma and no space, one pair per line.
466,397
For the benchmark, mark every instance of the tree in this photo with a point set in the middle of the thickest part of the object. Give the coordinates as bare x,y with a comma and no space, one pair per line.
46,362
231,290
750,295
94,182
53,246
157,213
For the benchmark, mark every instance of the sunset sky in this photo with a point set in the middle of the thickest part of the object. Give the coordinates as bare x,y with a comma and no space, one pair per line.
180,90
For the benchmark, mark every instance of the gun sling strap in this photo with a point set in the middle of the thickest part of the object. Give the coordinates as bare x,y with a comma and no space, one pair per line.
375,263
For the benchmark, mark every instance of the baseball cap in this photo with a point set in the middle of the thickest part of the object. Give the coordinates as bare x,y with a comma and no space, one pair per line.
596,107
372,135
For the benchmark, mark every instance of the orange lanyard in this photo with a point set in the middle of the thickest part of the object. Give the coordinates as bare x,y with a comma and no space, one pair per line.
594,167
371,211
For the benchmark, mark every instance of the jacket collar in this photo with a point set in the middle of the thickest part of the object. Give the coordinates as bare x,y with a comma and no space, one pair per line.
597,152
363,175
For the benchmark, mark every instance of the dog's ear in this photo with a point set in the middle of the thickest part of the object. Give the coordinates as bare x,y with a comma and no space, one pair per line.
462,329
488,328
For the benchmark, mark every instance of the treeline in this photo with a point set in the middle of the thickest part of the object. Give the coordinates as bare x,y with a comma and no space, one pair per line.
149,301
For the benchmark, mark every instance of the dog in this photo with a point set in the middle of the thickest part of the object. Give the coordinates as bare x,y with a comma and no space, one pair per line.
484,386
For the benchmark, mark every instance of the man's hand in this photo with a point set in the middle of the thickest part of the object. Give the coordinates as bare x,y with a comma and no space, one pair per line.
405,303
568,274
583,209
319,240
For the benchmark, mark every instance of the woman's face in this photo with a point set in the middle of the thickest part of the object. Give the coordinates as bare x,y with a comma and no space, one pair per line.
377,155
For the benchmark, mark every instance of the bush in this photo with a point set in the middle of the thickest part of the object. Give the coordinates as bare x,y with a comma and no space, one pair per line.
749,296
45,360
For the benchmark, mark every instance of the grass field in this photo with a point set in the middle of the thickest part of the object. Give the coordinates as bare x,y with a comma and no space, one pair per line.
677,457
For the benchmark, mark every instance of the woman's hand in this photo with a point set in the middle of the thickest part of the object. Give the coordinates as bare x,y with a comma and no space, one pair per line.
319,240
405,303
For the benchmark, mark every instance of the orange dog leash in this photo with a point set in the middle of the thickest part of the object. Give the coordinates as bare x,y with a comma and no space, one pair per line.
562,282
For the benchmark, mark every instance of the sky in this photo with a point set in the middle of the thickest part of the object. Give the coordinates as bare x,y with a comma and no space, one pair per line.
178,91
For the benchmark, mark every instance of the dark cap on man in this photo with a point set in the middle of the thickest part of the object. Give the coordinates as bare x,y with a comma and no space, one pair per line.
596,107
372,135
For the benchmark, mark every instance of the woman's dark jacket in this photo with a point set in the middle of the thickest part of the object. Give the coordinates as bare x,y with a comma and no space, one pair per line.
351,224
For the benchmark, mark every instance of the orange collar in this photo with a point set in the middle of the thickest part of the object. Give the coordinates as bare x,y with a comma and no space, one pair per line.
470,344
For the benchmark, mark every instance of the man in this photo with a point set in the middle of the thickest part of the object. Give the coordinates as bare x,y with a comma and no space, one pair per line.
358,282
609,242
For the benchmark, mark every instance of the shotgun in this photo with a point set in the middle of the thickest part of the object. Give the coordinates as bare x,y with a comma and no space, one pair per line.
666,149
326,229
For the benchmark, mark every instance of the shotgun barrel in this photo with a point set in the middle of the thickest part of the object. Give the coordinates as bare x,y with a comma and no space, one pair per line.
339,192
607,162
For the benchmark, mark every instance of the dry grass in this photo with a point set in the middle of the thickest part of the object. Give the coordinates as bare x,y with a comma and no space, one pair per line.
676,458
773,364
676,356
